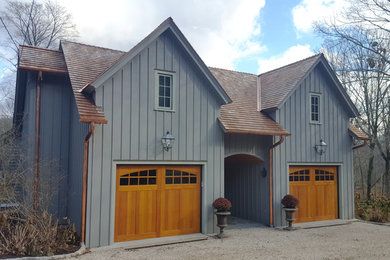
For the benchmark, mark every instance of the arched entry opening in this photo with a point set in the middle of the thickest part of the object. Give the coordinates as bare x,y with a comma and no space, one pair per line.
246,186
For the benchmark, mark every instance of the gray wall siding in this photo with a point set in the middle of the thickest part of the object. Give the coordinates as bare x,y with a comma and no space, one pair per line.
244,185
299,147
54,139
77,132
54,136
135,128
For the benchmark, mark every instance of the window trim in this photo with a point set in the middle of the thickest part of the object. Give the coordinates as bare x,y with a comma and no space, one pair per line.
319,95
173,90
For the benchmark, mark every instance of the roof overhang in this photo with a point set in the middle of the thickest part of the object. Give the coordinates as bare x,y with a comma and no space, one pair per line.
339,87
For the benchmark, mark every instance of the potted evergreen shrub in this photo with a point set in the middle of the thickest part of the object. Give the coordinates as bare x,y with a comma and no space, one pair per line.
290,204
223,207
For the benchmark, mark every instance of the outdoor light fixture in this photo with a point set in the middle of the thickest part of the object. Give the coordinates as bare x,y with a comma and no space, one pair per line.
167,141
321,148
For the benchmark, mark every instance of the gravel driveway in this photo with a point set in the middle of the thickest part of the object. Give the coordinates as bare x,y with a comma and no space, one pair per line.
357,240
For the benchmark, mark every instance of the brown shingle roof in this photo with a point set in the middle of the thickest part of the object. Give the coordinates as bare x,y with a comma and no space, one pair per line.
40,59
277,84
85,63
241,116
358,133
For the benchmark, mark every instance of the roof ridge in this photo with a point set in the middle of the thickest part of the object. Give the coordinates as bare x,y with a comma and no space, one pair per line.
310,57
233,71
95,46
39,48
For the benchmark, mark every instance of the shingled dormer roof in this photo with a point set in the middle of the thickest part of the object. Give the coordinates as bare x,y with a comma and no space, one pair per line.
85,63
241,116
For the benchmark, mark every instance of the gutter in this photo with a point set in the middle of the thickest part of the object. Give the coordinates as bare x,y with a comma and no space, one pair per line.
360,145
85,180
37,126
271,199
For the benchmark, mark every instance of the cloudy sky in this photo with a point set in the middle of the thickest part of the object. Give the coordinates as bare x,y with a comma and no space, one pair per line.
246,35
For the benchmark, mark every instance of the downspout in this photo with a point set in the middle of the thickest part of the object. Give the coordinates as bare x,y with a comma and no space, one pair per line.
37,126
271,199
359,145
85,179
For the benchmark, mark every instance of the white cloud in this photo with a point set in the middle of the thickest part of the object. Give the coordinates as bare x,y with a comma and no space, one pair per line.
309,11
221,31
292,54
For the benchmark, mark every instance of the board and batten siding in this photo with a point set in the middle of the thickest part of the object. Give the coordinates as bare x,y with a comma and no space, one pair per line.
54,135
294,115
135,128
245,186
77,133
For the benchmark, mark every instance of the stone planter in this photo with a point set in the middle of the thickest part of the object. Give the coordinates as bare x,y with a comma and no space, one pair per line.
290,216
222,221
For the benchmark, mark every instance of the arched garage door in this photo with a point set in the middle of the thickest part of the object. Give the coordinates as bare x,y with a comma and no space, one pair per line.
316,189
156,201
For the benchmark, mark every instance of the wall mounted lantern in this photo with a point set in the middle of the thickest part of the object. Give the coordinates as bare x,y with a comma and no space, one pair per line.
167,141
321,148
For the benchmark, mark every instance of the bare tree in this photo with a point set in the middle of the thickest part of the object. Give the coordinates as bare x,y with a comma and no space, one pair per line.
37,23
357,46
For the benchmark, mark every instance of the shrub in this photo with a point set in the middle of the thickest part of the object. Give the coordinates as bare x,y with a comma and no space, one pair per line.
34,235
377,209
289,201
222,204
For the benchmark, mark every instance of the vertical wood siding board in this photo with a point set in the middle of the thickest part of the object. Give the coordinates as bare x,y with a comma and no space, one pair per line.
135,120
174,117
95,187
140,119
195,121
160,61
293,126
143,105
178,106
91,162
210,176
148,95
152,139
106,160
190,117
130,107
298,117
121,117
284,158
182,110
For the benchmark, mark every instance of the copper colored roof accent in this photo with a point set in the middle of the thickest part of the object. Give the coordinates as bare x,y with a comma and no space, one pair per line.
85,63
241,116
358,133
40,59
277,84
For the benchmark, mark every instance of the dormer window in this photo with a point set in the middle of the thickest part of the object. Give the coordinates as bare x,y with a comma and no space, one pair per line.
315,108
164,90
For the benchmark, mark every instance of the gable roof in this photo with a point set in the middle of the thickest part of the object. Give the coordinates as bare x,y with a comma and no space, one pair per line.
242,116
278,85
85,63
168,24
40,59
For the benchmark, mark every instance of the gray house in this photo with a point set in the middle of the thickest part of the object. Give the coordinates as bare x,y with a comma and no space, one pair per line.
108,117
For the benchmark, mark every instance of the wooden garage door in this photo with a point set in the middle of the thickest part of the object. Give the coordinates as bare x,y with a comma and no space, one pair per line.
155,201
316,189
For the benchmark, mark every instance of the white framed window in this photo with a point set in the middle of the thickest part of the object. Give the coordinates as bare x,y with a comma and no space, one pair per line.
315,108
165,86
